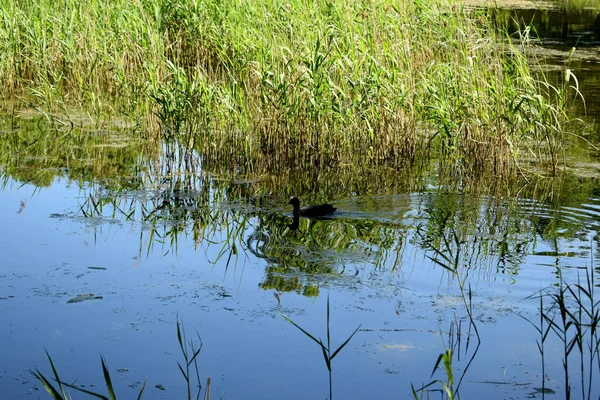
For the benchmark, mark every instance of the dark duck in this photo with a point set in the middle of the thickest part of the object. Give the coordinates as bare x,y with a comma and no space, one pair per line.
321,210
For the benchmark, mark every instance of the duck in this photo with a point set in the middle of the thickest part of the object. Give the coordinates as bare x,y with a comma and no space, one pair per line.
316,211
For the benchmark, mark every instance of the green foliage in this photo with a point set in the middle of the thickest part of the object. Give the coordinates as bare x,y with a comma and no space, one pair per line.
190,355
447,387
449,253
61,393
384,82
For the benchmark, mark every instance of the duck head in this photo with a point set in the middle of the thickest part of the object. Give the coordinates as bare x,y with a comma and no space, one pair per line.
294,202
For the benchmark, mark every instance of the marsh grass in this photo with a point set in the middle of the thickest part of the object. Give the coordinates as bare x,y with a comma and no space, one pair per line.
447,386
448,252
571,312
289,82
577,5
190,350
328,356
60,392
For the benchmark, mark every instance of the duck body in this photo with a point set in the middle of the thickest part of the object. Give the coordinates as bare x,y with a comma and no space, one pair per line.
316,211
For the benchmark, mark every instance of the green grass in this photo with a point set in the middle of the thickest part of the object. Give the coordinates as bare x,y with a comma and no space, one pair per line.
325,348
450,252
571,313
574,5
190,349
289,82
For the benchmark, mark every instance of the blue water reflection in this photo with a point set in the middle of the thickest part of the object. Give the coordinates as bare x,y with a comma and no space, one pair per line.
407,305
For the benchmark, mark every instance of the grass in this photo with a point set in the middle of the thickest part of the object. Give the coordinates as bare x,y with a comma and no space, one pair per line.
189,349
289,82
448,252
575,5
328,356
61,393
571,312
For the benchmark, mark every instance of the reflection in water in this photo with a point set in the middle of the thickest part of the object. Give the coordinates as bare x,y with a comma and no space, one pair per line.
368,232
322,211
173,196
295,223
386,223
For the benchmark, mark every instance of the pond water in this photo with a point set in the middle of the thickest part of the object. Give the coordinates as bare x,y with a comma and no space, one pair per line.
369,260
108,242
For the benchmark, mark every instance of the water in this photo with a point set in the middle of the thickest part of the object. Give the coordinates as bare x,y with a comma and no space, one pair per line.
107,243
381,279
569,39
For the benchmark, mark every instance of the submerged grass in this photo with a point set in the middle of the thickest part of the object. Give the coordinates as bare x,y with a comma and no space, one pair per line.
289,82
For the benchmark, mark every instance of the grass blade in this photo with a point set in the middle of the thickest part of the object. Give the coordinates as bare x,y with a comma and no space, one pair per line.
107,379
47,385
345,343
318,341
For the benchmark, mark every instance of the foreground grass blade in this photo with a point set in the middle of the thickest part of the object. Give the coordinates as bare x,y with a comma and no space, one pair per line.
46,383
48,386
109,386
318,341
61,393
326,350
345,343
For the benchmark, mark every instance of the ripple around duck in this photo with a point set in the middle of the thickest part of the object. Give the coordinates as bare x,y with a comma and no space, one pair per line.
586,215
382,208
410,210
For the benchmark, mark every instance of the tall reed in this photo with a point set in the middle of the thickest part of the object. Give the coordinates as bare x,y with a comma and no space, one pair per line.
293,82
328,356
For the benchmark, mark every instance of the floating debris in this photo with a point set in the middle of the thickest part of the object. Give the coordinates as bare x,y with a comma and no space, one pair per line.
83,297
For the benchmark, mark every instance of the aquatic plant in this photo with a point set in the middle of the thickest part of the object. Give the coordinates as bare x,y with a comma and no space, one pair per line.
571,311
189,349
577,5
190,355
449,255
447,386
328,356
290,83
61,393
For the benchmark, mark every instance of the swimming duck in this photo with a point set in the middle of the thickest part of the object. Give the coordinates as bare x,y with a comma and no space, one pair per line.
321,210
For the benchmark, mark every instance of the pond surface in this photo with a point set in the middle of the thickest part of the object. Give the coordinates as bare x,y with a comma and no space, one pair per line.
406,305
108,242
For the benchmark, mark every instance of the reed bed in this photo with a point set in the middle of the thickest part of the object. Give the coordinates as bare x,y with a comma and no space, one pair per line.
296,83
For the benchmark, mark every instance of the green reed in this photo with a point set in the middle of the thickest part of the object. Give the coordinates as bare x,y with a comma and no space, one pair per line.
577,5
190,350
289,81
449,252
447,386
325,348
571,312
60,392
